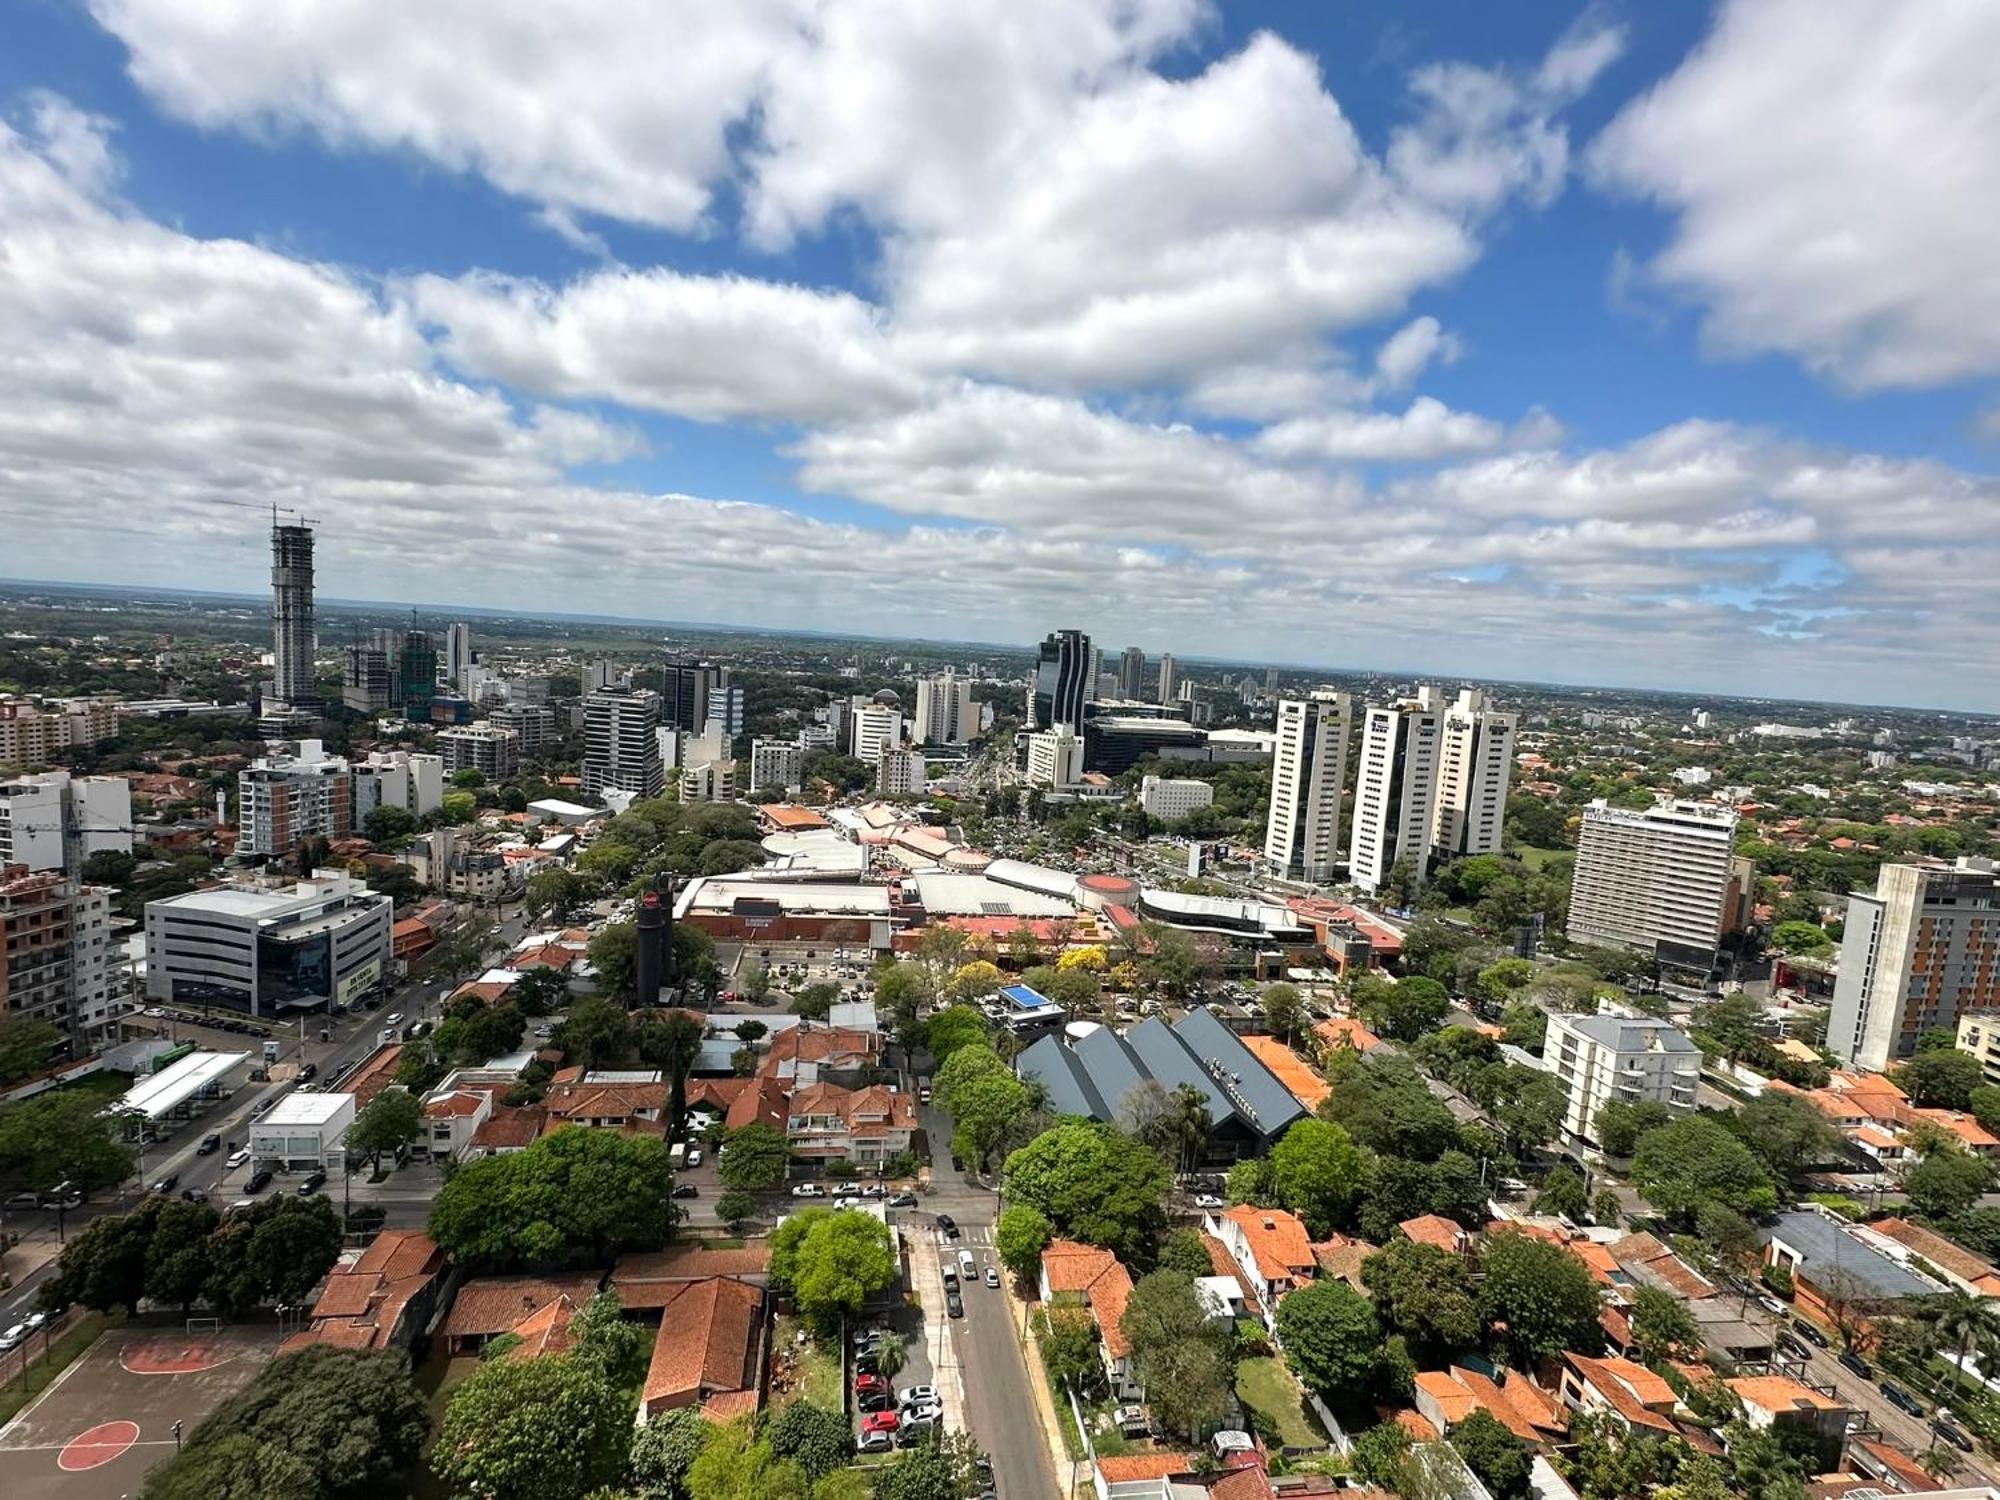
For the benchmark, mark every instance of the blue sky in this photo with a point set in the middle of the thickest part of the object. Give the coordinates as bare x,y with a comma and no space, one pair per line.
1639,344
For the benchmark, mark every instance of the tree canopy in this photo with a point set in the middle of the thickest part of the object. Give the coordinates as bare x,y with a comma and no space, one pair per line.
1543,1294
578,1189
551,1428
1696,1160
1092,1184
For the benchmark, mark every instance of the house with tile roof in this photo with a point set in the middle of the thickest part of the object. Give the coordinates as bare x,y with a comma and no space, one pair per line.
647,1281
384,1299
805,1053
1270,1247
1958,1266
1447,1397
637,1107
1627,1391
1436,1230
825,1122
709,1350
1779,1401
1098,1279
1345,1031
488,1306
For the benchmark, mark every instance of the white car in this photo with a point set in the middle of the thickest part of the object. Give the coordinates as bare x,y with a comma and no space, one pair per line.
694,1156
847,1200
808,1190
155,1012
394,1018
236,1159
14,1337
918,1395
1208,1200
929,1414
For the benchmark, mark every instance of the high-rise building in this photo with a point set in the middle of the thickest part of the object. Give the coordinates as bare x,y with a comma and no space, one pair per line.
1055,757
368,679
779,763
709,781
945,713
417,670
685,693
56,821
1475,764
283,800
877,727
1920,951
1132,674
1270,682
1395,790
1170,683
489,749
534,725
900,773
1601,1058
56,955
1063,680
34,734
1657,880
1308,764
725,707
620,750
292,617
398,778
457,656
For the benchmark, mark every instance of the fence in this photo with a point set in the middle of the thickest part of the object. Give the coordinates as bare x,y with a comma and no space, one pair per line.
15,1363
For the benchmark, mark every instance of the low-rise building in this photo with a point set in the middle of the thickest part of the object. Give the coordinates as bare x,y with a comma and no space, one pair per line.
825,1122
708,1351
1171,798
1271,1248
1632,1060
1096,1279
384,1299
303,1132
537,1309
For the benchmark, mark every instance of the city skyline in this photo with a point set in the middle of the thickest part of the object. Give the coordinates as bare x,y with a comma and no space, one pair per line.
1462,342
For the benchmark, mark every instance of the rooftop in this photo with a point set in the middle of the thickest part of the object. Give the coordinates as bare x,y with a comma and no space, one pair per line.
1825,1246
298,1108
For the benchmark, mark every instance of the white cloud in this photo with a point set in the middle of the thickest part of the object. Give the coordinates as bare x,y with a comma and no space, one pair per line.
1427,431
1833,166
1408,352
708,347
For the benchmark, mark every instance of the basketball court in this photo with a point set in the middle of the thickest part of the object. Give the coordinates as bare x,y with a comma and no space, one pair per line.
110,1416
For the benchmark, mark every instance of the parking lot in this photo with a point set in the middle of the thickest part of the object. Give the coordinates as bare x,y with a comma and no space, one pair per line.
110,1416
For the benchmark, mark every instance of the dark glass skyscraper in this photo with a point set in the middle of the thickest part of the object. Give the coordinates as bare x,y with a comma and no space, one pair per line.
1062,680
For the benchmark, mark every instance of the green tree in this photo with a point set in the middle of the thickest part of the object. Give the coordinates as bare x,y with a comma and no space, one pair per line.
1380,1453
1331,1338
275,1251
1620,1125
1788,1134
672,1043
987,1115
1425,1294
322,1424
975,1060
1947,1183
1564,1193
1501,1460
815,1001
597,1033
614,954
1799,937
815,1439
392,1120
1318,1172
540,991
601,1338
1939,1079
735,1465
1526,1025
1183,1250
1544,1296
177,1252
1284,1011
939,1469
1068,1338
388,825
841,1260
1402,1010
104,1264
1182,1362
1388,1108
1092,1184
61,1136
1696,1160
755,1157
954,1027
556,892
577,1189
735,1206
1498,983
1021,1236
664,1450
533,1429
1984,1103
1663,1325
25,1046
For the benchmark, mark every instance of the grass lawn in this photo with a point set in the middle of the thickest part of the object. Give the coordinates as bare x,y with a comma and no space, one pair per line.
1267,1388
813,1373
63,1352
1534,859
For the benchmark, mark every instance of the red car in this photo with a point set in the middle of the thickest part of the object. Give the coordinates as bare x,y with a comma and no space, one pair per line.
867,1383
880,1421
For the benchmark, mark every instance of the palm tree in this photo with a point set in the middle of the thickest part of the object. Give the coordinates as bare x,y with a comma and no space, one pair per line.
889,1356
1939,1463
1972,1323
1189,1124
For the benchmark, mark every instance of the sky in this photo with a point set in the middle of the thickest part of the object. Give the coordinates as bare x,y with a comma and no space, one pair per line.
1648,345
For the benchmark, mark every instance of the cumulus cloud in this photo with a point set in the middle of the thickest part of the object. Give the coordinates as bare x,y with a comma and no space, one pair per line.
1428,430
1831,165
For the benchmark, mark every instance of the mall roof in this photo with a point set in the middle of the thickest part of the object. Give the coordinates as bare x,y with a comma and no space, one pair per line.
155,1096
986,895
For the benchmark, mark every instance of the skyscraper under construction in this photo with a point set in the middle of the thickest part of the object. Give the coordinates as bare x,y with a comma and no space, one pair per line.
292,684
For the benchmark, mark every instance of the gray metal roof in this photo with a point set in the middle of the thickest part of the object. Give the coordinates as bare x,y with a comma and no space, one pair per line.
1825,1247
1627,1035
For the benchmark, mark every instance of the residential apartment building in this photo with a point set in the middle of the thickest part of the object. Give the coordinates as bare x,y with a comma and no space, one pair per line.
945,712
1132,674
1920,951
825,1122
1302,828
876,727
1475,764
1657,879
710,781
269,952
621,752
780,763
1395,790
398,778
1170,682
292,639
34,734
534,725
283,800
55,821
1635,1061
1979,1034
725,708
492,751
1171,798
1055,757
900,773
56,957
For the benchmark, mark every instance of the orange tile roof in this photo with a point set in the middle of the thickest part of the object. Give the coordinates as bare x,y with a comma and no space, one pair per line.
649,1279
1098,1277
1454,1402
1435,1229
1499,1403
1909,1473
489,1305
1975,1135
706,1344
546,1330
1127,1468
1278,1241
1946,1254
1300,1081
509,1128
1780,1393
1345,1031
790,818
455,1105
1601,1262
1416,1424
1225,1265
1630,1389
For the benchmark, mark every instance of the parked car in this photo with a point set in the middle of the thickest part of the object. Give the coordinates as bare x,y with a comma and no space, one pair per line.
313,1183
808,1190
1131,1421
34,1321
236,1159
685,1190
875,1442
257,1181
918,1395
926,1415
954,1306
1901,1399
210,1144
308,1073
924,1094
880,1421
1209,1200
394,1018
847,1200
1770,1304
1952,1434
1810,1333
1852,1361
873,1190
949,1225
1794,1347
903,1200
14,1337
867,1382
993,1276
876,1400
25,1200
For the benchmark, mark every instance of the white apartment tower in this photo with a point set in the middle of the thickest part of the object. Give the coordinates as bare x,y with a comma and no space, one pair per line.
1055,757
1658,880
620,750
1169,678
283,800
1395,789
1302,832
56,821
900,773
1599,1059
777,763
1475,764
945,712
877,727
1921,951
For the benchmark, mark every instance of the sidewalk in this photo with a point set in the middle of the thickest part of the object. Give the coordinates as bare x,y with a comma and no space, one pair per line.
37,1248
1019,1312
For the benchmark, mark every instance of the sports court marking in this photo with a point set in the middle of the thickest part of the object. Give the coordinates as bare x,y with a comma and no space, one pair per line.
171,1354
97,1446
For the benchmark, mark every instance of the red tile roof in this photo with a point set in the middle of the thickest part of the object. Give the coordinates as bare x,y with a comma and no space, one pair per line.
1434,1229
489,1305
1278,1241
706,1344
1100,1279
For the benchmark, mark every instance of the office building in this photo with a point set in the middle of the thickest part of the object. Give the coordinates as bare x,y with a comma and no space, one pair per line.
1169,690
457,657
725,707
1132,674
269,953
1302,828
1657,880
900,773
398,778
492,751
417,672
303,1132
685,693
56,821
534,725
292,684
1395,791
1270,682
33,734
1055,757
56,958
877,727
709,781
780,763
1171,798
620,750
1920,951
283,800
1063,680
945,713
1475,765
368,679
1114,743
1635,1061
